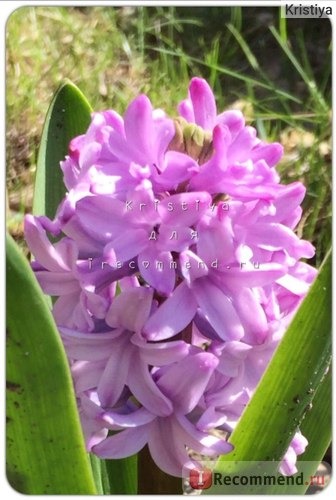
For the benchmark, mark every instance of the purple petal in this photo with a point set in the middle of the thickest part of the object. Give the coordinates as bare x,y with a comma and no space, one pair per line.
74,229
145,390
173,239
233,119
251,313
271,153
89,155
70,171
114,420
192,266
240,148
114,120
199,441
158,273
262,275
231,358
166,449
186,110
210,419
124,444
212,174
287,465
164,132
115,373
274,236
57,283
218,310
184,209
64,307
86,375
178,168
287,200
299,443
294,285
40,246
193,371
127,245
172,316
204,103
150,138
86,346
161,353
214,235
101,216
130,309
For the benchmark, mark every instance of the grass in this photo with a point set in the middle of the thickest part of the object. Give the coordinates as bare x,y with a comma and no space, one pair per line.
276,70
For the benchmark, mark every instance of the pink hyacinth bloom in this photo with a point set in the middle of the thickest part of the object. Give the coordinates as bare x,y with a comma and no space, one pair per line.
176,274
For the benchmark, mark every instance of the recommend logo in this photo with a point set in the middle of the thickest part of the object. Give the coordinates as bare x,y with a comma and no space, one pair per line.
253,478
200,479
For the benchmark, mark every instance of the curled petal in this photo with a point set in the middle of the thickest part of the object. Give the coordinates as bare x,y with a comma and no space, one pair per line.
146,391
172,316
194,370
161,353
123,444
218,310
40,246
114,377
204,103
130,309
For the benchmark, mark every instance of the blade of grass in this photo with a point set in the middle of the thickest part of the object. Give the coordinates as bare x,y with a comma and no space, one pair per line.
282,25
244,46
225,71
311,84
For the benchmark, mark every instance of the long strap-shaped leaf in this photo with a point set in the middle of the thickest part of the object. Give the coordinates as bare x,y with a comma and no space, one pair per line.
68,115
115,477
288,386
317,428
45,447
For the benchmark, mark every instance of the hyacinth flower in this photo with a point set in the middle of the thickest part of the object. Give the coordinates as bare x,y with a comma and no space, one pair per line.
176,274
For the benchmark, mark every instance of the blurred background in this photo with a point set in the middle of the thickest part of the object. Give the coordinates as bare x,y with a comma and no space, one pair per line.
276,70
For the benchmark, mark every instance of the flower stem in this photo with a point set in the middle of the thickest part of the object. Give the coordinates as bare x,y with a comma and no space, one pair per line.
152,480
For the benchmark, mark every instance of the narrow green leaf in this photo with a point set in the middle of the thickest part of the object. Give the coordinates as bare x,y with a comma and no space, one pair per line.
115,477
317,424
287,388
69,115
45,446
97,473
316,427
122,476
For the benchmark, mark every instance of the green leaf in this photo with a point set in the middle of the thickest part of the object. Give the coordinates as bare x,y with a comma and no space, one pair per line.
115,477
316,427
288,386
121,476
45,446
317,424
69,115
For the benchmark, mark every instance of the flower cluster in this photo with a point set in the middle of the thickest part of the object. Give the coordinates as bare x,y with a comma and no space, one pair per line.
176,271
